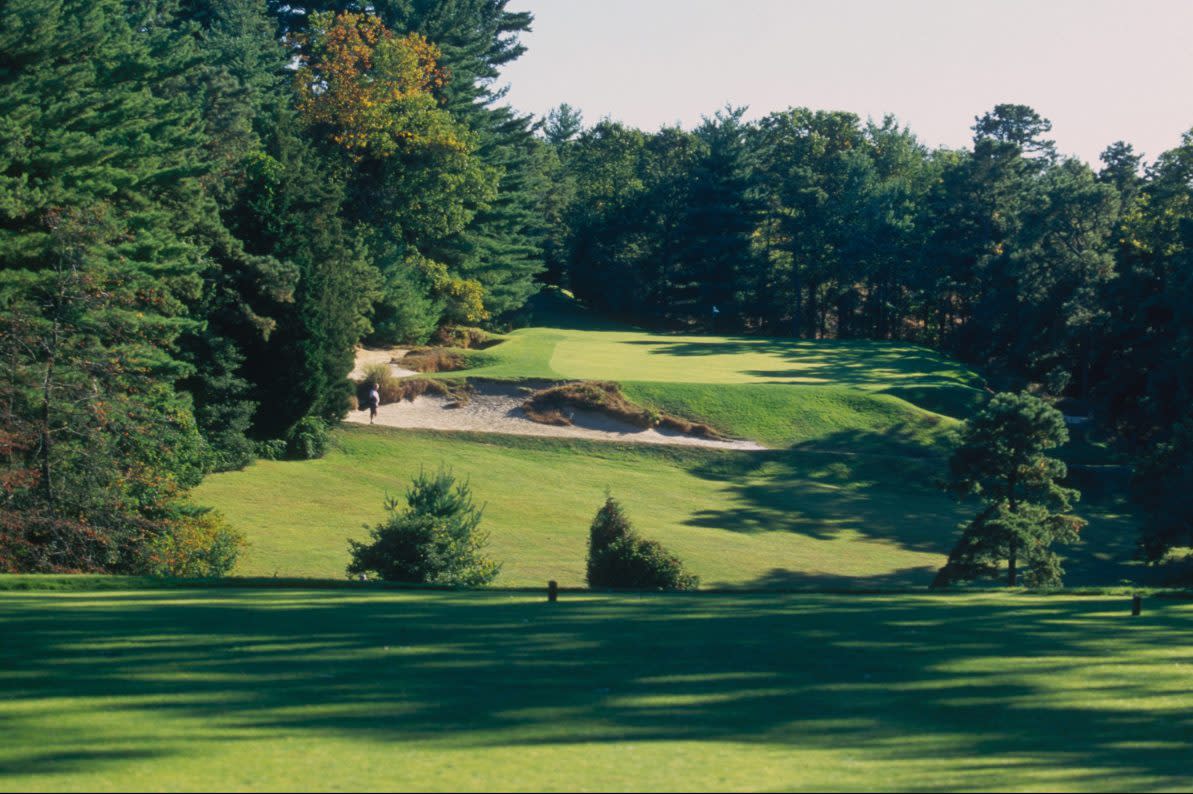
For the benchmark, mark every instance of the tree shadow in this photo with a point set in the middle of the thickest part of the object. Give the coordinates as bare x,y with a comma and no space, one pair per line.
889,487
823,492
847,362
1003,691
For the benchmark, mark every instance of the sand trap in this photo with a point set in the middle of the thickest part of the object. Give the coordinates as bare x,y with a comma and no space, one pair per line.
367,357
496,408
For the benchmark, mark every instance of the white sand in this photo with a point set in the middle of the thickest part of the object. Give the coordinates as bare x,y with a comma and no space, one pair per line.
496,408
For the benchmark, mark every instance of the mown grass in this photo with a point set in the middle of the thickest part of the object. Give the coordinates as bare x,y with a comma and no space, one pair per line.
339,690
850,496
829,417
643,356
784,519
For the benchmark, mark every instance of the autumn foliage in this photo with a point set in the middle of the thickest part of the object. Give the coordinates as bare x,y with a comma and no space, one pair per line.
375,92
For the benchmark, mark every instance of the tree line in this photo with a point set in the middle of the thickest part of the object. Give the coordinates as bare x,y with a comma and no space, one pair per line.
206,204
1039,269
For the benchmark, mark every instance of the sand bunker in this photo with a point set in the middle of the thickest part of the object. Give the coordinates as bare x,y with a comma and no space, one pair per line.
497,408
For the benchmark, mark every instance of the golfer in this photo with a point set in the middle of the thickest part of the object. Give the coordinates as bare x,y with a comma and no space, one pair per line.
374,401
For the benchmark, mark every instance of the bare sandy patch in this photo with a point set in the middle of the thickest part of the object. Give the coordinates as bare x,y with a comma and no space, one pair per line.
497,408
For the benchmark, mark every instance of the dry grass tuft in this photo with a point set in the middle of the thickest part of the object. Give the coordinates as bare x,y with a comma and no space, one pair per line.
434,359
464,337
554,405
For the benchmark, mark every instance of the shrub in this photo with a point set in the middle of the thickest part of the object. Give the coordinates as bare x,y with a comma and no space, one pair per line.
272,449
307,439
618,557
434,540
198,544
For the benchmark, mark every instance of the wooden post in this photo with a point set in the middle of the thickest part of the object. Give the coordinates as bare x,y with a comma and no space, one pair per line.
552,590
1136,605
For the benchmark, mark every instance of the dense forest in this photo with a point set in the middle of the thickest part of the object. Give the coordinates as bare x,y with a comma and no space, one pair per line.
205,205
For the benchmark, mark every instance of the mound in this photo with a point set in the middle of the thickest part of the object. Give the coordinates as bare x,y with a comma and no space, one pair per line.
557,404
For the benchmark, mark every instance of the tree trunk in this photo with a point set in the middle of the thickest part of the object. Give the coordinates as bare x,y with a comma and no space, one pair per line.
47,483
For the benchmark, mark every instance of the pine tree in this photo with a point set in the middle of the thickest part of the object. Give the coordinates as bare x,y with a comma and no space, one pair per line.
1002,461
99,170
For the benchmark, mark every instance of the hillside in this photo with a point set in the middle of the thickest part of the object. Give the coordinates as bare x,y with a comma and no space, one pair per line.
848,495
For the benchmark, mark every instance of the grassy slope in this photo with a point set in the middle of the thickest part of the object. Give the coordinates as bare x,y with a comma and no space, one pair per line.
796,518
784,518
269,690
852,501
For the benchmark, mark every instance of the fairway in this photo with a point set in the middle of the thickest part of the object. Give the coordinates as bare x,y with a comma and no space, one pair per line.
624,355
343,690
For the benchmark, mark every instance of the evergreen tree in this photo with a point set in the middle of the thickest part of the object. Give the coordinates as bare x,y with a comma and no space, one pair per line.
434,540
100,183
618,557
719,223
1002,461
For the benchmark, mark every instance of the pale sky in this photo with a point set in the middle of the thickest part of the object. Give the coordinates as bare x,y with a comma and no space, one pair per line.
1101,71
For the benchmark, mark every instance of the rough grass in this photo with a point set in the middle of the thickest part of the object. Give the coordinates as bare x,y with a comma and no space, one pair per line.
434,359
296,690
554,406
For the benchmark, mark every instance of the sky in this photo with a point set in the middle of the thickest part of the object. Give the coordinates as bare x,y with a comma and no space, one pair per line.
1101,71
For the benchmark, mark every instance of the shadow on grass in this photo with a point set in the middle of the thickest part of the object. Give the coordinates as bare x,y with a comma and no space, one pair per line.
890,487
1003,691
838,361
848,485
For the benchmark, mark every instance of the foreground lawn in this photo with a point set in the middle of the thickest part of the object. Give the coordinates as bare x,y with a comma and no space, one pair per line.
789,519
345,690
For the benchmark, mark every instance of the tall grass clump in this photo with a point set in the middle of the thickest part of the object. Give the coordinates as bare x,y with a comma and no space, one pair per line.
389,385
554,405
463,336
434,359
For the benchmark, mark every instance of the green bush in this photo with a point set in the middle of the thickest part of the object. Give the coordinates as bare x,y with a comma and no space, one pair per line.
307,439
618,557
272,449
434,540
199,543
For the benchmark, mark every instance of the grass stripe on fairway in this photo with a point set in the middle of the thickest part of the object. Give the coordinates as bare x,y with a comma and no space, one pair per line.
257,690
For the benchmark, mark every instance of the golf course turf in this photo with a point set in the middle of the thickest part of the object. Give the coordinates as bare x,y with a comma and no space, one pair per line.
291,689
775,683
849,494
